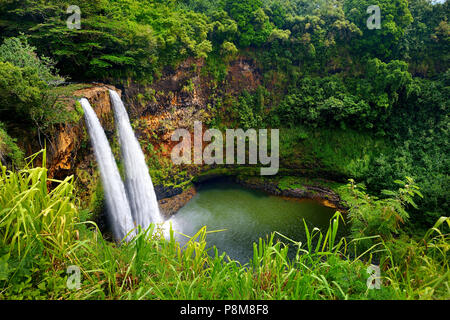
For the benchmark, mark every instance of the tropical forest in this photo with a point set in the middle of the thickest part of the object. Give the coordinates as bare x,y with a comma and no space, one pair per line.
224,150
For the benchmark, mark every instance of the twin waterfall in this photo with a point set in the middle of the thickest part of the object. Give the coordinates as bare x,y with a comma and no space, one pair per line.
135,202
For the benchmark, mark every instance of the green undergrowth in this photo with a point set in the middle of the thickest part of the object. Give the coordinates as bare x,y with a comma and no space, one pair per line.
345,153
9,151
43,232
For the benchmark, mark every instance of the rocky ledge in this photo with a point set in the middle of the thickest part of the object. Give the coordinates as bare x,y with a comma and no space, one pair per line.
169,206
316,192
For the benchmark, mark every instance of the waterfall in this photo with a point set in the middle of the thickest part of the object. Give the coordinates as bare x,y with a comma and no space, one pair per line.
114,190
138,183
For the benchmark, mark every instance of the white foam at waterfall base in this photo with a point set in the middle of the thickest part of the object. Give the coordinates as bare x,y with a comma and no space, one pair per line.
138,183
119,212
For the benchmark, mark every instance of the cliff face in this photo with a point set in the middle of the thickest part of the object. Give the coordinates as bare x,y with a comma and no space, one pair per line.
184,95
68,149
189,86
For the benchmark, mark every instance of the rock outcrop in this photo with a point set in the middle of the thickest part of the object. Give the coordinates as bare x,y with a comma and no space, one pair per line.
65,152
313,191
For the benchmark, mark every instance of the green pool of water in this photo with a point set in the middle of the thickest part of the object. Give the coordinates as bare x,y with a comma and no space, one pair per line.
247,215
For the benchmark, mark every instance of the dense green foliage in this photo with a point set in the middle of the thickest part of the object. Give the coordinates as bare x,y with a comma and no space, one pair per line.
358,102
117,38
29,92
9,151
26,84
137,37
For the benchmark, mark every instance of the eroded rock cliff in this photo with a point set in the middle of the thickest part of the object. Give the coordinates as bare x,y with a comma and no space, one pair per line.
68,149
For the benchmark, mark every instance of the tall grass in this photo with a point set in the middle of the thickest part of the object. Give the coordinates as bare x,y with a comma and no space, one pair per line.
30,213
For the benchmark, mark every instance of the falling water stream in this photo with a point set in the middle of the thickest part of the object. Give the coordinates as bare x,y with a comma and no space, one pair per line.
134,203
115,195
138,183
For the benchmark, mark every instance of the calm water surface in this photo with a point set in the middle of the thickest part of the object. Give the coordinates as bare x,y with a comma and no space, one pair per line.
247,215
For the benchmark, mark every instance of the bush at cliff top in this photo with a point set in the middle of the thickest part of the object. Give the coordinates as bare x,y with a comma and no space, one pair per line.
28,87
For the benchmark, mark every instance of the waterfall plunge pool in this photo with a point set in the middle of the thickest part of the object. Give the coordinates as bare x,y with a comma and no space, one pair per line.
247,215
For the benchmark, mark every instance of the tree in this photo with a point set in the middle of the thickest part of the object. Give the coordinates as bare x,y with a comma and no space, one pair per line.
426,44
253,24
380,43
27,86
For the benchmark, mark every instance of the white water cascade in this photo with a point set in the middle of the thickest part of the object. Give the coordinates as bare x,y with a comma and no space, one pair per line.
116,198
138,183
